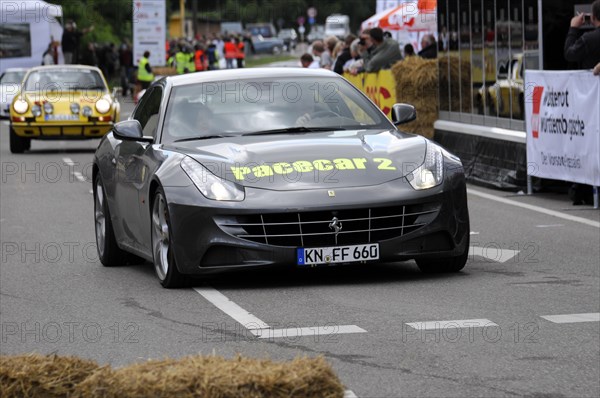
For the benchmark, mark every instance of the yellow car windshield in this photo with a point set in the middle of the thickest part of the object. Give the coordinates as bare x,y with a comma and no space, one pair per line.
64,80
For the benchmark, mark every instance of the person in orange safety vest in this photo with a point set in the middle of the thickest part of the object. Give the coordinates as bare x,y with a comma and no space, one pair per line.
200,58
241,55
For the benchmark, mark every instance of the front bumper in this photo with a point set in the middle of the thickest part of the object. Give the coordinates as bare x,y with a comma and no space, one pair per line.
202,244
51,130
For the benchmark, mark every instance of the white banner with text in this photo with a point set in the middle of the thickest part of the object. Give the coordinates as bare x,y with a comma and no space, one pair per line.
149,30
562,111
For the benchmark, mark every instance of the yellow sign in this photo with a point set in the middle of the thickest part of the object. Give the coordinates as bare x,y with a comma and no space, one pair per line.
380,87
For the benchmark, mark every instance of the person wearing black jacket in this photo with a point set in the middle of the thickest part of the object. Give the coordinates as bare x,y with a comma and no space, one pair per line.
584,49
428,47
344,56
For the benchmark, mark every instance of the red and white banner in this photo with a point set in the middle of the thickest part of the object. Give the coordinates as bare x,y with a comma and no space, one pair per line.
562,111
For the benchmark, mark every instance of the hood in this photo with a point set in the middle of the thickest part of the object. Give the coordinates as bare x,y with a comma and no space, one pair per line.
326,160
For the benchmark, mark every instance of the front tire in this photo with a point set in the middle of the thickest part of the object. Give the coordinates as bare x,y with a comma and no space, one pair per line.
108,251
164,259
18,144
445,265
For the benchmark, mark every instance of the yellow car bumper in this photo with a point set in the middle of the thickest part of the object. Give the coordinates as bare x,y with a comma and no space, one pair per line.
63,131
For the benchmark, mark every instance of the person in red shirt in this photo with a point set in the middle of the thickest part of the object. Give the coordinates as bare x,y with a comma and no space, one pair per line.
230,52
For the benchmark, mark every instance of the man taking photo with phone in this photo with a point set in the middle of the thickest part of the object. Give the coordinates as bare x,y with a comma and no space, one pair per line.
584,49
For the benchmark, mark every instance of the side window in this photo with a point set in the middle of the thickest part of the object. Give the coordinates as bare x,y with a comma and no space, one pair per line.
148,111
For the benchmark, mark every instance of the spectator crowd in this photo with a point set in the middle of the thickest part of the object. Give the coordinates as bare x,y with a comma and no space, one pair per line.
372,51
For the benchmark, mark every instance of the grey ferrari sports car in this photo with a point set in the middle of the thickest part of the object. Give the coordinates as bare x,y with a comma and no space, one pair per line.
234,169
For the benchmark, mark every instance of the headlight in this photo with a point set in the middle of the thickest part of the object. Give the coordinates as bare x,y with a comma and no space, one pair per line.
48,108
87,111
36,110
20,106
74,108
431,172
102,105
209,184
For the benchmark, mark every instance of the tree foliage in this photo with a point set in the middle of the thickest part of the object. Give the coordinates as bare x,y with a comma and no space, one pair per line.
112,19
285,10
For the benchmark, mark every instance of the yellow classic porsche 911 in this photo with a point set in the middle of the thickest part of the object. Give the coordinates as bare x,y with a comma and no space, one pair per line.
61,102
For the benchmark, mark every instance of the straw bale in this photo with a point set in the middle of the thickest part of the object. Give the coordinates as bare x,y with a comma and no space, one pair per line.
460,80
35,375
215,377
417,84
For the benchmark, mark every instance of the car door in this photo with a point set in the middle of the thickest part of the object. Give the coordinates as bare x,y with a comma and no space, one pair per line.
133,171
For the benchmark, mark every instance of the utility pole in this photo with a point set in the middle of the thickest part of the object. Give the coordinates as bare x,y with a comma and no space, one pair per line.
195,17
182,16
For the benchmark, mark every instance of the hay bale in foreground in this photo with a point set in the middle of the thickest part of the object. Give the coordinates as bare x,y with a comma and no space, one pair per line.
417,84
215,377
194,376
35,375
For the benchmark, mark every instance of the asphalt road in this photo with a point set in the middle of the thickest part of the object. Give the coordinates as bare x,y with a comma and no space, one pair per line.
55,297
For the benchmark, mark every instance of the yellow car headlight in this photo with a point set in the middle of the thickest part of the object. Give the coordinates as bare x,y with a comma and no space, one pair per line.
102,105
21,106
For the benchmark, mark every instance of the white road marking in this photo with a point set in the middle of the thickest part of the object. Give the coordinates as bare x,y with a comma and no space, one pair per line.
69,161
573,318
493,253
466,323
221,301
549,225
307,332
79,176
549,212
260,328
349,394
474,233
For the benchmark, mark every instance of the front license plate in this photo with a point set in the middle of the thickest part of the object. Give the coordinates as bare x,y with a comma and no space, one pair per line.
337,254
61,117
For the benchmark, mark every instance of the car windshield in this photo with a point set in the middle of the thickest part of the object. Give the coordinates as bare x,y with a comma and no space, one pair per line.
12,78
298,104
64,80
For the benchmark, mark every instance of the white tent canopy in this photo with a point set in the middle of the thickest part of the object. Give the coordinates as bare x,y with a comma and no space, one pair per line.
27,27
406,16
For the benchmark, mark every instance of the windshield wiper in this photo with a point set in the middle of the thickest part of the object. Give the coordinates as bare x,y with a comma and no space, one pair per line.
204,137
298,129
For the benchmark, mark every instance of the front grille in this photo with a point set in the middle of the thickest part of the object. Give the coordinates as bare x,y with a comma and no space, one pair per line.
310,229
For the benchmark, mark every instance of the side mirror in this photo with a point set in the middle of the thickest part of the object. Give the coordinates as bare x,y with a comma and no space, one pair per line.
403,113
130,130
